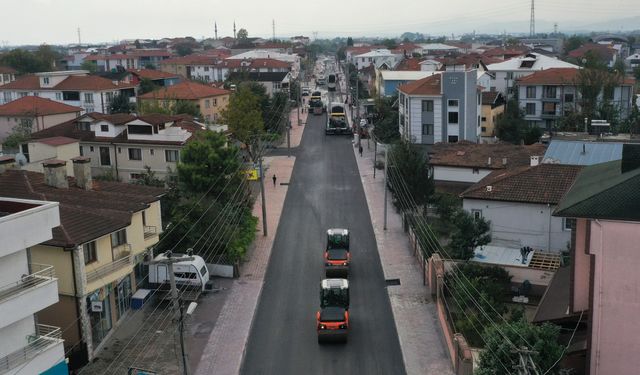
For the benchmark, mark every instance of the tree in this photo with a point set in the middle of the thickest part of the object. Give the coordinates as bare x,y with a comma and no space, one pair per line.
636,72
390,43
186,107
91,66
244,118
243,35
469,232
386,121
137,44
596,92
184,49
349,42
23,61
19,135
511,126
574,42
47,56
148,178
121,104
147,85
619,67
500,356
409,174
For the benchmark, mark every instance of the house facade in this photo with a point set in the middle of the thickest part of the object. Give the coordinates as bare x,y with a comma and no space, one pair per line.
443,107
7,75
273,82
376,58
519,203
387,81
549,95
27,345
493,104
106,230
604,262
76,88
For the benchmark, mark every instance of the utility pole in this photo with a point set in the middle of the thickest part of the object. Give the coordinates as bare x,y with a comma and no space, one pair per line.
264,204
386,172
375,156
525,365
532,22
177,308
273,28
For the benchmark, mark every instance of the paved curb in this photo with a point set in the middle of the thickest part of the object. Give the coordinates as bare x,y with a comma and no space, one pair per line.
415,316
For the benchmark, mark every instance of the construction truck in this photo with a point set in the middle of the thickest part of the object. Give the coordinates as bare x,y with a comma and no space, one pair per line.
315,103
331,83
336,255
337,120
332,321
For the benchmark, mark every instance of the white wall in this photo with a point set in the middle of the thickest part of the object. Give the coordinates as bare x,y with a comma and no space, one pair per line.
522,224
14,336
458,174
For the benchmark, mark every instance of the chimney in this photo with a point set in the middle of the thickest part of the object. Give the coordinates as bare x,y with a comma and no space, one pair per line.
6,163
630,157
55,173
584,149
82,172
535,160
489,161
504,161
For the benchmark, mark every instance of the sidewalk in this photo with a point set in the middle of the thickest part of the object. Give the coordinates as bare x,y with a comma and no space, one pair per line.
227,342
421,341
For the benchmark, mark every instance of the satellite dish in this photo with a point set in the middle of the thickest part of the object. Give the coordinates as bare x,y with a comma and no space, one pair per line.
21,159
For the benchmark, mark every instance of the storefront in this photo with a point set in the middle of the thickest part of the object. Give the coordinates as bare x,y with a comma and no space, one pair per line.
99,311
123,296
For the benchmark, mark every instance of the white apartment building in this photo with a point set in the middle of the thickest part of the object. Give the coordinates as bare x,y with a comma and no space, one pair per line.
27,347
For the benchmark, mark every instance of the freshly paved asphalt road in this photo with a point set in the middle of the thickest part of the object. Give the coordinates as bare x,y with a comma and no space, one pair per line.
325,191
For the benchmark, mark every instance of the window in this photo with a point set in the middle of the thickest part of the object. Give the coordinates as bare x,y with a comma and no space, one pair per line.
118,238
530,109
483,129
36,94
453,139
172,155
90,252
135,176
22,94
58,96
475,171
568,98
568,224
206,68
531,92
550,92
477,214
214,102
7,96
71,96
207,103
427,106
81,151
453,117
484,119
452,103
105,156
104,128
91,148
151,151
88,97
203,270
45,80
427,129
135,154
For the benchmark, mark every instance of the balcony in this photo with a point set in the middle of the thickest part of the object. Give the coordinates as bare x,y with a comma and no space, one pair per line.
122,260
28,295
45,345
150,231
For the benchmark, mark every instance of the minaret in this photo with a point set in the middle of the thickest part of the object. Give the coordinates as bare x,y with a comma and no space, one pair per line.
234,30
215,28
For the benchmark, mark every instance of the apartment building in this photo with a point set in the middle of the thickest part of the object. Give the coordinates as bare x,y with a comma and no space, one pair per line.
76,88
493,104
27,346
123,145
105,231
548,95
443,107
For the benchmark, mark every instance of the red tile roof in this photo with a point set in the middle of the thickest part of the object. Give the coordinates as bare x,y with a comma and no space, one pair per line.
603,51
7,70
506,52
559,76
35,106
473,155
28,82
56,141
151,74
185,91
425,86
268,63
542,184
410,64
74,82
151,52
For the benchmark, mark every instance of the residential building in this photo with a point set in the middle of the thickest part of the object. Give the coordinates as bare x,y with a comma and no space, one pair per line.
273,82
548,95
300,39
493,104
182,65
35,112
519,203
293,60
582,152
507,72
457,166
387,81
122,145
605,52
633,61
7,75
604,204
27,345
409,64
135,76
37,151
106,229
211,101
436,49
443,107
377,57
115,61
76,88
219,70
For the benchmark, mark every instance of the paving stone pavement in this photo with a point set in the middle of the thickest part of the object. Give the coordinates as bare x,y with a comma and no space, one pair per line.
225,349
421,340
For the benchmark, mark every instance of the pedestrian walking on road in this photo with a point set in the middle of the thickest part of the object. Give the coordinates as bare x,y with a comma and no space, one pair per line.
274,179
360,150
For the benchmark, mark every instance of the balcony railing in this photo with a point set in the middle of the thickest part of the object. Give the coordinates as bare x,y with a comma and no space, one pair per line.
149,231
42,273
94,274
44,338
121,251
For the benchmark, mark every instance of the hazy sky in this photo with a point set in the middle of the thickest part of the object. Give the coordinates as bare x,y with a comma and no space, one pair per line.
56,21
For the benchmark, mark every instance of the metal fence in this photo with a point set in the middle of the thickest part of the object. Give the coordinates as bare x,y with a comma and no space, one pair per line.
44,338
99,272
41,273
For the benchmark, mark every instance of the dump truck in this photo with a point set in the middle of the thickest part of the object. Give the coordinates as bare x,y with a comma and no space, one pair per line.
315,103
337,120
332,321
336,255
331,82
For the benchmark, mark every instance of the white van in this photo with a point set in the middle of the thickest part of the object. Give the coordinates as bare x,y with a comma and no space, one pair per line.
190,275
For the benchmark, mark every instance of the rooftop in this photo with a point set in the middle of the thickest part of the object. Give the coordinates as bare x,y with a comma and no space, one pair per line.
151,74
474,155
72,82
35,106
405,75
530,62
425,86
185,91
559,76
541,184
7,70
582,153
